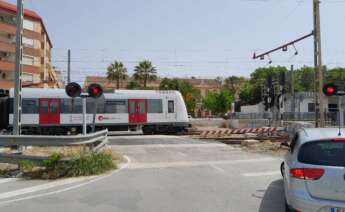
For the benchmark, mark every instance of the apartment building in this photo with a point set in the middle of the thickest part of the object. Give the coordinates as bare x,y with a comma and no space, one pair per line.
37,67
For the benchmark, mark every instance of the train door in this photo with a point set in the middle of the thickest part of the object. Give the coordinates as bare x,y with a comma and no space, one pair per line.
137,111
49,111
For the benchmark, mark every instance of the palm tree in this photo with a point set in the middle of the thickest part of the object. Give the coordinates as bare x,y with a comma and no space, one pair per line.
145,72
117,72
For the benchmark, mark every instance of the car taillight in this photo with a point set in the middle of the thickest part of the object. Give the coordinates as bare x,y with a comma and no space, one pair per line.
307,173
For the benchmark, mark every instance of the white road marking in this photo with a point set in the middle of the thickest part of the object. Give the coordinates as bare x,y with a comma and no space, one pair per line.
260,174
45,186
195,163
205,145
182,154
141,137
217,168
92,180
8,180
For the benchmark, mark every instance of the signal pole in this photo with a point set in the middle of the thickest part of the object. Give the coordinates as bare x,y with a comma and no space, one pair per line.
68,66
319,102
17,106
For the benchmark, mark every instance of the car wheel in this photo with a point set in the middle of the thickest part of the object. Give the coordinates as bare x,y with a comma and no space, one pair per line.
282,169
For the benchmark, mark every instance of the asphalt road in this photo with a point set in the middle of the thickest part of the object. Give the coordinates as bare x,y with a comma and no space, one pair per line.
163,173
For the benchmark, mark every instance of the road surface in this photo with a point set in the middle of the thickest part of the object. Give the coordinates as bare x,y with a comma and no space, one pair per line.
162,174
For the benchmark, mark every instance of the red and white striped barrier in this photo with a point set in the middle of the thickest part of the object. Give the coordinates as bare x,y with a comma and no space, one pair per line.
237,131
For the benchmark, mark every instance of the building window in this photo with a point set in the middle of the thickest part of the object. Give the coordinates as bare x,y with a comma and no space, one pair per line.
27,42
171,106
27,77
28,60
29,25
155,106
311,107
332,107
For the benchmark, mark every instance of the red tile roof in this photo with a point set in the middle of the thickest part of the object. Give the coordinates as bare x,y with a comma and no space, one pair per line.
27,13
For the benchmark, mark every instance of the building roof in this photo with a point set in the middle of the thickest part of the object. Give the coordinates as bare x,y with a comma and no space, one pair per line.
27,13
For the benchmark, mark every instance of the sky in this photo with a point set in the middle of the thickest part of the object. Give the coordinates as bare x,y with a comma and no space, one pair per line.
184,38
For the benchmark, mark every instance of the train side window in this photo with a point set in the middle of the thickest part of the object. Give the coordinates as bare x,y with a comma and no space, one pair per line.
29,106
142,108
171,108
154,106
54,107
132,107
90,105
71,106
44,106
115,106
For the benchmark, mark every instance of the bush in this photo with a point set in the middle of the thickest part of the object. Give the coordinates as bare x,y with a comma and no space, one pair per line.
84,165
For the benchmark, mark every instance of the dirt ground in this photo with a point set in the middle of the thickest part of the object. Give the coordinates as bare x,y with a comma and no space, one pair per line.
266,147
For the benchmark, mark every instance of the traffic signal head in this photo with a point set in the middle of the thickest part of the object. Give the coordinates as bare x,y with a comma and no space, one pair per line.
95,90
330,89
73,89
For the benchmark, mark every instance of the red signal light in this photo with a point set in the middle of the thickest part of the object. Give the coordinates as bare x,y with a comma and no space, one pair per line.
95,90
330,89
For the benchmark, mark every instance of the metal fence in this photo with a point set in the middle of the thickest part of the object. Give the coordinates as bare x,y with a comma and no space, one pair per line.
96,142
331,118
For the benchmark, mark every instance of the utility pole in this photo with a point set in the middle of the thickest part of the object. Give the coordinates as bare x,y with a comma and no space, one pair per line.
17,106
293,105
68,66
319,102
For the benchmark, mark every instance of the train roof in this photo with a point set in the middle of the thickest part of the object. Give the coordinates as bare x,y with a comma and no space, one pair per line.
122,94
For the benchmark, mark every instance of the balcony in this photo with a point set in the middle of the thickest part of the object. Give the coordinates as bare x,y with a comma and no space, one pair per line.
11,48
11,29
10,66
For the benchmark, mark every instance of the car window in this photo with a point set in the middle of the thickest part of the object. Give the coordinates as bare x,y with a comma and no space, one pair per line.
324,153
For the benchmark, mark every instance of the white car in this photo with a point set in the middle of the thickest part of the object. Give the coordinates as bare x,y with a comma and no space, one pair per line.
314,171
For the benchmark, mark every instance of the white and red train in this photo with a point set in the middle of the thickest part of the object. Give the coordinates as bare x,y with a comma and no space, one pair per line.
51,111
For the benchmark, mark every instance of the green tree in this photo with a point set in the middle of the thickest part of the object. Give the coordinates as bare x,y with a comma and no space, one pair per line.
335,75
117,72
304,79
145,72
219,102
133,85
190,94
233,83
250,92
169,84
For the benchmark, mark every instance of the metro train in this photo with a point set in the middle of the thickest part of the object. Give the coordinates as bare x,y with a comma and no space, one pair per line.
51,111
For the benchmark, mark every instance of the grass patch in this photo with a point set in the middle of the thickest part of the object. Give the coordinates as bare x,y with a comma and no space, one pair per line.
56,166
